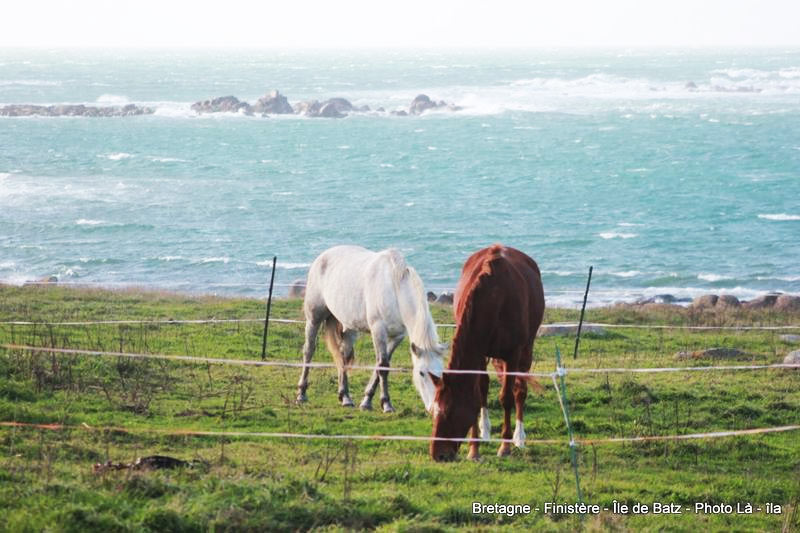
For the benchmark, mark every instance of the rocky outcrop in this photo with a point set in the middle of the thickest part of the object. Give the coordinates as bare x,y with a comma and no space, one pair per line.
431,296
423,103
222,104
273,103
712,353
76,110
330,108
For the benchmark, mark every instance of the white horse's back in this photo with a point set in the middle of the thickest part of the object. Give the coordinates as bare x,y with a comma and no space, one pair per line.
370,291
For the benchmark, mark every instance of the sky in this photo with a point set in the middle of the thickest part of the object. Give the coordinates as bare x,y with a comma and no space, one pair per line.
406,24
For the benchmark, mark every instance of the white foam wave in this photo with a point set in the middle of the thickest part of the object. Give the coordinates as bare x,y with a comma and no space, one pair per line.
89,222
712,277
617,235
112,99
780,217
116,156
30,83
221,259
628,224
626,274
170,258
156,159
7,265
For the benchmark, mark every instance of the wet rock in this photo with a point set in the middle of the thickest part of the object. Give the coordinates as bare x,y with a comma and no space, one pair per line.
712,353
692,86
222,104
422,103
273,103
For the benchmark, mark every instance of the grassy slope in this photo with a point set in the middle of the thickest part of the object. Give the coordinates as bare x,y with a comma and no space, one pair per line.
251,483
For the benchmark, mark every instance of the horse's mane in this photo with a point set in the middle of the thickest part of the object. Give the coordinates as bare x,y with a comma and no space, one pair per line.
421,329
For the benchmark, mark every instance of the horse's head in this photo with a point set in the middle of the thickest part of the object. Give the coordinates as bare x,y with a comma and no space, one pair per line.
428,365
455,410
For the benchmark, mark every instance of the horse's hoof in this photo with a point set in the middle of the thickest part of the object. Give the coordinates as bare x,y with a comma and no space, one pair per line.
387,406
474,456
365,405
301,398
504,450
347,402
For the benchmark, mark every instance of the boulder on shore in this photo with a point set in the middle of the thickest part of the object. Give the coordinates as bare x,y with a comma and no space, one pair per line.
704,302
762,302
727,300
787,302
297,289
431,296
446,298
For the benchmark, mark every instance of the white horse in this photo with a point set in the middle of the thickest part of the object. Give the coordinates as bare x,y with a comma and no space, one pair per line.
351,289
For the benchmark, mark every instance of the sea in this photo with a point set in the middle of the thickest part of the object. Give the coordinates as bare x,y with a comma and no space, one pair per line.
669,171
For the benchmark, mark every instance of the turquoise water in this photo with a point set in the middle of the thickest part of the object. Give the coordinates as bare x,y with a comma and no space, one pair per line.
579,158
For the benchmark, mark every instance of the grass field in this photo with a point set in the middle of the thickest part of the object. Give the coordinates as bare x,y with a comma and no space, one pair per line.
266,484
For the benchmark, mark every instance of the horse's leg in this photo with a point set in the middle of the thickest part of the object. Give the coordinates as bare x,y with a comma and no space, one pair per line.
312,327
520,393
369,391
482,428
507,401
380,340
346,349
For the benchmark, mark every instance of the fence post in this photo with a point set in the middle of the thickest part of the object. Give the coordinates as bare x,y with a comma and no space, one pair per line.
562,399
583,308
269,304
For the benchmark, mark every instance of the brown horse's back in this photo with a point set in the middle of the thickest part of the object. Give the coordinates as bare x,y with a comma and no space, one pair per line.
500,297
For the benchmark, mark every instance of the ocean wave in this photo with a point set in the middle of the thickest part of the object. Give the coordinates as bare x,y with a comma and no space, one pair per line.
112,99
626,274
116,156
30,83
285,266
780,217
617,235
157,159
89,222
712,277
170,258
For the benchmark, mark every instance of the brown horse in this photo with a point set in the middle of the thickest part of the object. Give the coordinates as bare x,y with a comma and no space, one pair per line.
499,304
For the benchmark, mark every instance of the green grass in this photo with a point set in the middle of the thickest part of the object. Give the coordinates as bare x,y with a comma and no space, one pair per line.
251,483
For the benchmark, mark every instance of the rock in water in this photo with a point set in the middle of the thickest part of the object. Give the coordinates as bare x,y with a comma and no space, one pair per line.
69,110
273,103
330,108
222,104
422,103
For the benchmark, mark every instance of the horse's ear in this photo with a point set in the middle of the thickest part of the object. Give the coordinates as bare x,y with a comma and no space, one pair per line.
415,349
437,380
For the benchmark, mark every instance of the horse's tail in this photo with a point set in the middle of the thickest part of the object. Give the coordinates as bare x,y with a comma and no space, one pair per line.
333,340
